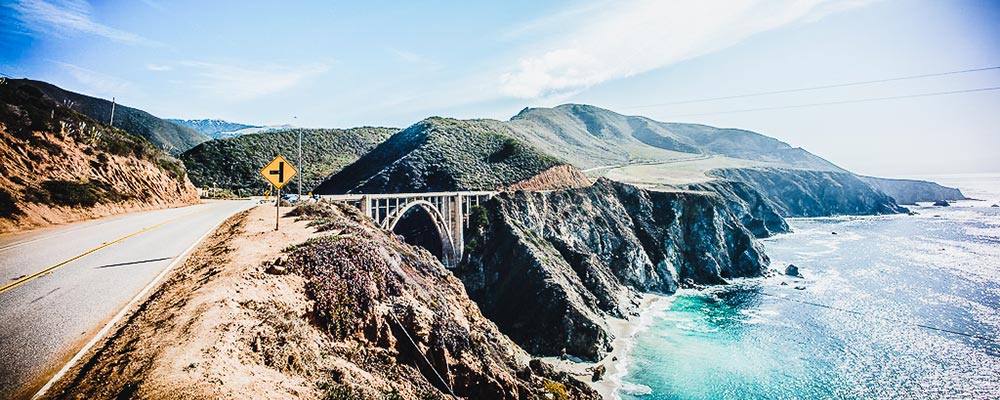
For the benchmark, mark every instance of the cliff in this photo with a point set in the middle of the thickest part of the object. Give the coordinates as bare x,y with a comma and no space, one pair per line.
754,210
910,191
547,267
805,193
555,178
57,165
348,312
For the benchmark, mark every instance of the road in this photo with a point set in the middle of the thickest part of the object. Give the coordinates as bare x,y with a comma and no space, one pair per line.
46,318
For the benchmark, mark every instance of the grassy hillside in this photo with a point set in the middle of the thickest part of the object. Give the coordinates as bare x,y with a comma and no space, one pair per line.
441,154
214,128
591,137
234,163
58,165
166,135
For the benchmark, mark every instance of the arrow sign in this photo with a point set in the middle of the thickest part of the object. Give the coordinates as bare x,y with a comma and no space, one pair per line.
279,172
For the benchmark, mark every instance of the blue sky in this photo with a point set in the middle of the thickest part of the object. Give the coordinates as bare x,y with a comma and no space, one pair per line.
342,64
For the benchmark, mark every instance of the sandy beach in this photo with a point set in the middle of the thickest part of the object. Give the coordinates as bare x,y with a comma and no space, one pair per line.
615,362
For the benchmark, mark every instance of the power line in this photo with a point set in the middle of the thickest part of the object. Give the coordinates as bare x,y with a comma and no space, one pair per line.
870,99
803,89
898,321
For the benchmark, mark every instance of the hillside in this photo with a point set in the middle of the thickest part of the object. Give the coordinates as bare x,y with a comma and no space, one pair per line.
166,135
57,165
591,137
234,163
442,154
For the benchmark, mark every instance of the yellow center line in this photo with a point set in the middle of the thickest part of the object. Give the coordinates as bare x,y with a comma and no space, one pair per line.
25,279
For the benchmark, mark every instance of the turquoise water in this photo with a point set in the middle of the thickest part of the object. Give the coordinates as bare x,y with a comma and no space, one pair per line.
892,307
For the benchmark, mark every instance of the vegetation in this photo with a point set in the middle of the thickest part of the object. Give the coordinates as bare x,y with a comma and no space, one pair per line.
556,389
235,163
72,194
478,222
8,208
441,154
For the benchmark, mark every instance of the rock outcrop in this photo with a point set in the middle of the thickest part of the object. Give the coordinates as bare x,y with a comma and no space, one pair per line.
756,212
910,191
555,178
548,267
805,193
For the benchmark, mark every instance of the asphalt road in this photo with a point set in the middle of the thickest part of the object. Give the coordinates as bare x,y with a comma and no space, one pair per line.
46,320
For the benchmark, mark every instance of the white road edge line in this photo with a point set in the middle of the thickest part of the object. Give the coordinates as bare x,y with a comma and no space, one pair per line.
121,314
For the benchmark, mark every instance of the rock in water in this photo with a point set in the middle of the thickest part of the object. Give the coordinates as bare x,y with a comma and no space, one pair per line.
792,270
995,205
942,203
598,373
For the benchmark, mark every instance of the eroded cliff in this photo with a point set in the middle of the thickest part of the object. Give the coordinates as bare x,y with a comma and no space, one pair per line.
548,267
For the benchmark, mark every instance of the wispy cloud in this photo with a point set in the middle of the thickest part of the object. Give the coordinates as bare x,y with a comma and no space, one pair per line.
615,40
159,68
242,83
67,17
96,83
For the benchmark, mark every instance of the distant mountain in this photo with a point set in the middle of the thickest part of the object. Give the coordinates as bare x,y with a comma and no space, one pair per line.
234,163
220,129
442,154
590,137
166,135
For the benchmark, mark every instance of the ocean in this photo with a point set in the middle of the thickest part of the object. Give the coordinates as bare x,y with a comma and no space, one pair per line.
888,307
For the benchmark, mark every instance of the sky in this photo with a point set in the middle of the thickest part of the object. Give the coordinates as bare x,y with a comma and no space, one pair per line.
383,63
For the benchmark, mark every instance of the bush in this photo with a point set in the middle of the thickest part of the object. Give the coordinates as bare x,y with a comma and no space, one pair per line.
8,207
556,389
66,193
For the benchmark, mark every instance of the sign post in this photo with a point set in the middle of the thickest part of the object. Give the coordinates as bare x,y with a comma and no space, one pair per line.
278,172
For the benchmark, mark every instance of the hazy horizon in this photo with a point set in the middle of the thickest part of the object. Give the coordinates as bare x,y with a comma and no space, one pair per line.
319,65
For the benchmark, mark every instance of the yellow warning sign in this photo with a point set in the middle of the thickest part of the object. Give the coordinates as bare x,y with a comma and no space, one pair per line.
279,172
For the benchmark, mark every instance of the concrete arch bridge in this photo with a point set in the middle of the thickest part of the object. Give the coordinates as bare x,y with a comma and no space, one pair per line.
435,221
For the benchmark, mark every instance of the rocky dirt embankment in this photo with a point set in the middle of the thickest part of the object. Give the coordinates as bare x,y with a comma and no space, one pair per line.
57,166
549,267
555,178
348,312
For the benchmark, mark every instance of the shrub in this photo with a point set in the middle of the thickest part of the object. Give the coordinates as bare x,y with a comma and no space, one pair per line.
68,193
8,207
556,389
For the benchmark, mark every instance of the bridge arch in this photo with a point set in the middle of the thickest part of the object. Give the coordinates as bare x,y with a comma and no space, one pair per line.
449,255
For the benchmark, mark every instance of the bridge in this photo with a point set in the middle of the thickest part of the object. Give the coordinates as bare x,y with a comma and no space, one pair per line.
415,215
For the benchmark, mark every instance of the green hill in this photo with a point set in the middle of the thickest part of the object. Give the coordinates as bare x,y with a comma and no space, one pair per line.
234,163
443,154
166,135
591,137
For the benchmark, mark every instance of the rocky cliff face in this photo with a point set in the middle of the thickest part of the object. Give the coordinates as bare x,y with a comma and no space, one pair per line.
804,193
910,191
57,165
548,267
755,211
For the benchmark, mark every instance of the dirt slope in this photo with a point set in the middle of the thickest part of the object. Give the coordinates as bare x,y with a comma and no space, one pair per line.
221,326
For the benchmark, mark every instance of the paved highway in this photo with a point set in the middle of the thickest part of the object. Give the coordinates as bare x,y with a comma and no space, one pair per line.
60,286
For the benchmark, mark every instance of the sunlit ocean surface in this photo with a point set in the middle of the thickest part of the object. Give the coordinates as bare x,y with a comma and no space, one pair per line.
892,307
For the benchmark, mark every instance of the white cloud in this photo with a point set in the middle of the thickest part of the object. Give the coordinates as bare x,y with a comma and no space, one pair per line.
96,83
242,83
615,40
159,68
68,17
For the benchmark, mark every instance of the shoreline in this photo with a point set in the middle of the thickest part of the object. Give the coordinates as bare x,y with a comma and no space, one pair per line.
616,361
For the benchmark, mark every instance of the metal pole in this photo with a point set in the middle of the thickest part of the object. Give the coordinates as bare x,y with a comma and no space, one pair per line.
302,169
277,211
112,123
